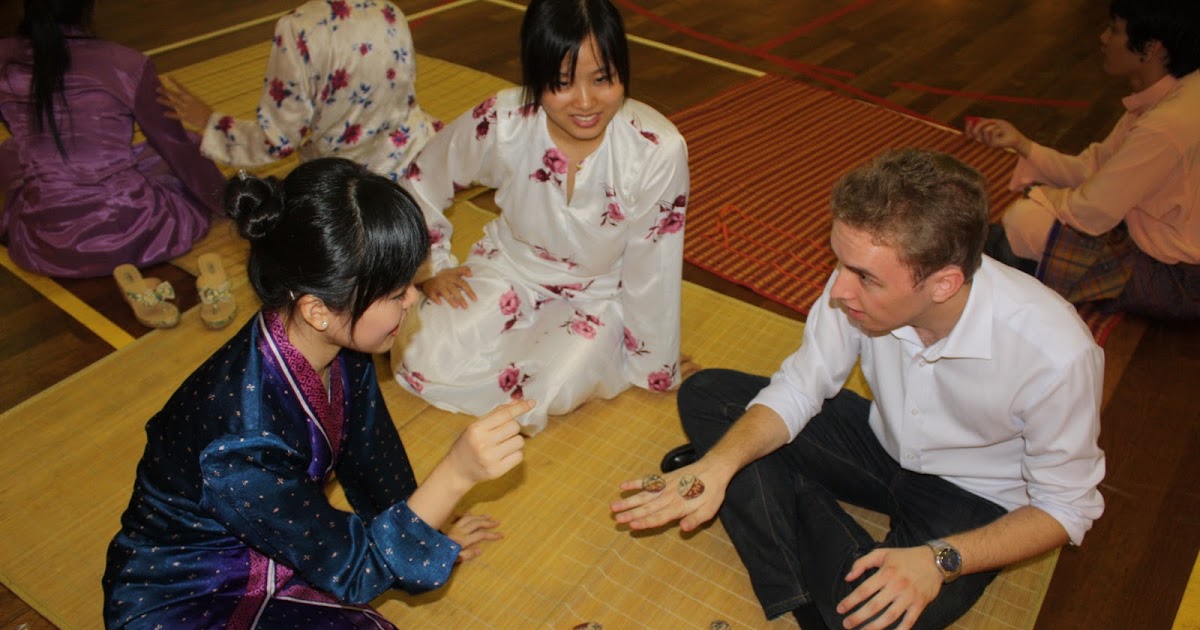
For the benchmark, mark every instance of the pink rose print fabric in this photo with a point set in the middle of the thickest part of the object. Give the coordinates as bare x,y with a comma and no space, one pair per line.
357,102
510,307
554,166
577,298
512,382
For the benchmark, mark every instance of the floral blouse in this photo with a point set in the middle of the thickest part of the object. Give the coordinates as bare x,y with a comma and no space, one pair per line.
339,82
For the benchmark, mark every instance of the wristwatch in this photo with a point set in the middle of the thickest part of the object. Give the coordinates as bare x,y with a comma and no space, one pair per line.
947,558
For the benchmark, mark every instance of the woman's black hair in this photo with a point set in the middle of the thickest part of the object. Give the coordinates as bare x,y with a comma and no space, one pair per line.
1173,23
555,29
42,24
331,229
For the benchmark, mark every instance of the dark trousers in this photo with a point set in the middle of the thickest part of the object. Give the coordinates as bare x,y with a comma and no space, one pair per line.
781,512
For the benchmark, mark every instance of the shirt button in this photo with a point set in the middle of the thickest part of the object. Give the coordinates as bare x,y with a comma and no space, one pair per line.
910,455
914,411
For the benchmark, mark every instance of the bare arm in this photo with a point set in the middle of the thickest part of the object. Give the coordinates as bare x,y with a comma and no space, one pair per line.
1021,534
757,433
908,579
488,448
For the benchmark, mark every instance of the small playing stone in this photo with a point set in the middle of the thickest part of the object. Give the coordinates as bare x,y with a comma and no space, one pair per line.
653,483
719,624
588,625
690,487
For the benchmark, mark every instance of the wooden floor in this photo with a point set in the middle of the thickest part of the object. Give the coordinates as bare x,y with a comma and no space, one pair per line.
1033,62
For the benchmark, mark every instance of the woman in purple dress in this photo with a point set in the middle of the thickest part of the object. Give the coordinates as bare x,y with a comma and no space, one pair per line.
229,524
80,197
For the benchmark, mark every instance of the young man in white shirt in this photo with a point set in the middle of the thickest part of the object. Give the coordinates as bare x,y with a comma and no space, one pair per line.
980,444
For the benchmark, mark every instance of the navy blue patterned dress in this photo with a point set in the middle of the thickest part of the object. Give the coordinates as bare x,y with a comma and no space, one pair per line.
229,525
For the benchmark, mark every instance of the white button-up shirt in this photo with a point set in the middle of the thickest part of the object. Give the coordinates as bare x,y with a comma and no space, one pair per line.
1006,406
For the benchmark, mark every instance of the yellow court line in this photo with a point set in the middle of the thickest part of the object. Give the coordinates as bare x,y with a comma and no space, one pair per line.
1188,615
214,34
682,52
71,305
271,18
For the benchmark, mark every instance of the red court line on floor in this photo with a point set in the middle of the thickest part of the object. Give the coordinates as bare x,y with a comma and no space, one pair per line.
806,69
813,25
799,66
980,96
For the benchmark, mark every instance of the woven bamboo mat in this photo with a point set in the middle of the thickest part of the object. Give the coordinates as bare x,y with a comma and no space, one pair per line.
759,211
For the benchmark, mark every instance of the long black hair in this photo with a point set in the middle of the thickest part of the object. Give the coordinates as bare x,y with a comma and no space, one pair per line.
331,229
42,24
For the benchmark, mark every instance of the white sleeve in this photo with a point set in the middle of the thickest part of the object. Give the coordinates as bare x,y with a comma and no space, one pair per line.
465,152
285,110
652,271
817,371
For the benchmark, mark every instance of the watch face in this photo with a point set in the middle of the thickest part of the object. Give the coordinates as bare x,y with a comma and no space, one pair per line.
949,560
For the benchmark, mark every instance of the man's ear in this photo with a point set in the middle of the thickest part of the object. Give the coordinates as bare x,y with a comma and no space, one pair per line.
945,283
1155,52
314,312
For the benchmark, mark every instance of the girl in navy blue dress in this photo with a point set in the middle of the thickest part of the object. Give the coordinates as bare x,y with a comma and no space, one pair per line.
229,524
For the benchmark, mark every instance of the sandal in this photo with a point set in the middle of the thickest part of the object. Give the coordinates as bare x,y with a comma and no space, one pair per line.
217,307
148,303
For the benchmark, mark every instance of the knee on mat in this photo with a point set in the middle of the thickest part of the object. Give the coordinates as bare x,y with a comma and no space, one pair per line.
702,383
1026,227
702,405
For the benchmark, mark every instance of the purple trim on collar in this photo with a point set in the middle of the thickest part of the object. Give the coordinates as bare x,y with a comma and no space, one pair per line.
326,411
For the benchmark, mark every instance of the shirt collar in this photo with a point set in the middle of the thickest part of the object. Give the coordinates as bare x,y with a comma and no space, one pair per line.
1139,102
971,337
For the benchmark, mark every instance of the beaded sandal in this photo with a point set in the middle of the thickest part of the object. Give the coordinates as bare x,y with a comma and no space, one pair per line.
148,303
217,308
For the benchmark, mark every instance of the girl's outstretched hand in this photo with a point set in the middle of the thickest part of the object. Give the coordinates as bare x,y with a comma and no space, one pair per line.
486,449
470,531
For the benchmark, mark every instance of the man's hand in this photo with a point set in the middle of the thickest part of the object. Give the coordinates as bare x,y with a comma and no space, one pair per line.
450,285
906,581
999,134
648,509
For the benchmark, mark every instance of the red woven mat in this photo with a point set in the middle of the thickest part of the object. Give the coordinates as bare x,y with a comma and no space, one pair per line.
763,158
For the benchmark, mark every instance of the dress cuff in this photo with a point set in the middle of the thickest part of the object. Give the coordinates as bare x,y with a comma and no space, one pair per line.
420,556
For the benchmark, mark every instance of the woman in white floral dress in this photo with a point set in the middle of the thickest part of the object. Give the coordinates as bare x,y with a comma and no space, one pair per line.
339,83
574,291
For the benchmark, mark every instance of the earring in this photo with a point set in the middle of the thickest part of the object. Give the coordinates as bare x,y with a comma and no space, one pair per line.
324,325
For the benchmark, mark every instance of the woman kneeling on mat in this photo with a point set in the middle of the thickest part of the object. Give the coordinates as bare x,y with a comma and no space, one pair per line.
574,291
229,523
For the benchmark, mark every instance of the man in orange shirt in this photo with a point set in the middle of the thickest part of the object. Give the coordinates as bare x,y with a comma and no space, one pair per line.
1119,222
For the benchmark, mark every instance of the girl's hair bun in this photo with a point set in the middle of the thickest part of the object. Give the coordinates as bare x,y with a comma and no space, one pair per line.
256,204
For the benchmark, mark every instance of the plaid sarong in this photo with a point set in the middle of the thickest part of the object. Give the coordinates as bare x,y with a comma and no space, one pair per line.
1085,268
1112,270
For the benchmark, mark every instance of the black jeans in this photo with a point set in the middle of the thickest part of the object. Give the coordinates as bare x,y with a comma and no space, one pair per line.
781,512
